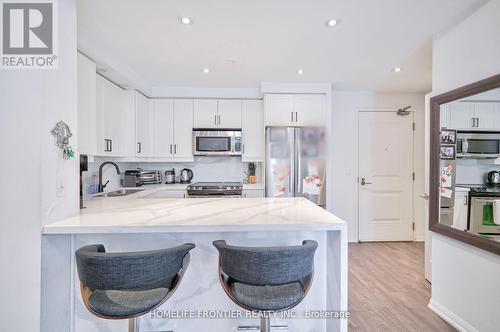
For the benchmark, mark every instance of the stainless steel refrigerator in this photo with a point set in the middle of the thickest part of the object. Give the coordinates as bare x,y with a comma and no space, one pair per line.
296,163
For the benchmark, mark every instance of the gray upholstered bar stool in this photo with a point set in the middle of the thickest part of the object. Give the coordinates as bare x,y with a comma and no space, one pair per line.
127,285
266,279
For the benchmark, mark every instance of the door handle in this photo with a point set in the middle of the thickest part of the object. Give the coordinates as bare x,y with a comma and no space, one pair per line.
424,196
363,182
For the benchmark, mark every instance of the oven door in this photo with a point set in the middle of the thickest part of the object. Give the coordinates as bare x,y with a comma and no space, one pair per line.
482,215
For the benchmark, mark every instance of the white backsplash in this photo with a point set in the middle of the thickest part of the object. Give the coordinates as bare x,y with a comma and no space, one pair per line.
204,169
474,171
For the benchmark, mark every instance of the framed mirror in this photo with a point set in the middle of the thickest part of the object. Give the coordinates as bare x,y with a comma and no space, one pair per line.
464,198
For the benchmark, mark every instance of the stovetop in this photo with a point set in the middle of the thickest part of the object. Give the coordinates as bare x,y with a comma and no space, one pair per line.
485,190
215,185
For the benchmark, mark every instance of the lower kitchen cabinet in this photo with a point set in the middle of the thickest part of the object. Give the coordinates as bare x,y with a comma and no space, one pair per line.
253,193
169,193
461,208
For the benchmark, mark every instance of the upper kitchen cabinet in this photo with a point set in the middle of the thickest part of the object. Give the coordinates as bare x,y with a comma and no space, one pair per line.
183,130
86,71
205,113
253,135
172,129
299,110
115,120
229,114
163,128
143,122
279,110
474,115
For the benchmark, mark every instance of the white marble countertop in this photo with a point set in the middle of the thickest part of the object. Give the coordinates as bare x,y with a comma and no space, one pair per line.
134,214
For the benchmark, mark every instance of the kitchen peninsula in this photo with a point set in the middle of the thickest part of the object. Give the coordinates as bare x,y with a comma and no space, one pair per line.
136,222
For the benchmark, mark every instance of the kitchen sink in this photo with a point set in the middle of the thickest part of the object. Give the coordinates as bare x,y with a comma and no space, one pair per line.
119,193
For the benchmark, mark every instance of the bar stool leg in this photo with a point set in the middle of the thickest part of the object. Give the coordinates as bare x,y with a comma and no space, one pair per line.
265,324
132,325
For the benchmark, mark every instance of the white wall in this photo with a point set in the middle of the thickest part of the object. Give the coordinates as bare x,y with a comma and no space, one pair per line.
31,102
345,105
462,275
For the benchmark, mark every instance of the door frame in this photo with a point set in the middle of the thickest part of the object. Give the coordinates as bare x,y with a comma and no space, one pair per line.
380,110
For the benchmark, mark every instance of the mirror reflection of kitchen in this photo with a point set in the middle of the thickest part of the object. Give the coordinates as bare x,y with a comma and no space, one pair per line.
470,164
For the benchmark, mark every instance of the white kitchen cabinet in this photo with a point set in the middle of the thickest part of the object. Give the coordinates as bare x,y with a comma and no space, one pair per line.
163,128
487,114
169,193
253,133
279,109
253,193
310,110
115,120
299,110
460,115
142,125
443,116
87,116
461,208
229,113
183,129
205,113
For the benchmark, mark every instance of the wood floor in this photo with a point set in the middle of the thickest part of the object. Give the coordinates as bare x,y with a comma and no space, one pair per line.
387,289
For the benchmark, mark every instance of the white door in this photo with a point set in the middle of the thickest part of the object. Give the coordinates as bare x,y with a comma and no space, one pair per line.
310,110
205,113
229,113
487,115
252,131
183,130
163,128
385,168
279,110
142,121
460,115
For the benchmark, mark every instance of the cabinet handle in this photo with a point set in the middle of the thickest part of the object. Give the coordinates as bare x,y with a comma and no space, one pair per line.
219,120
296,117
106,145
466,200
291,113
215,119
170,148
110,145
139,147
472,121
175,148
477,122
243,148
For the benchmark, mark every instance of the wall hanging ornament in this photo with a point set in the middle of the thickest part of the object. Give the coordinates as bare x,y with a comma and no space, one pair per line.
62,133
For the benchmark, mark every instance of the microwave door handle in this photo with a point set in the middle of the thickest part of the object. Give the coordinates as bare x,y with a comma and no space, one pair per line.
465,146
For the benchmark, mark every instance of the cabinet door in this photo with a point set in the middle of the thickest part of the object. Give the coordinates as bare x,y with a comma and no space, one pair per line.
163,128
205,113
252,131
279,110
310,111
443,116
460,210
487,115
87,103
183,131
125,128
253,193
104,106
229,114
142,128
460,115
169,193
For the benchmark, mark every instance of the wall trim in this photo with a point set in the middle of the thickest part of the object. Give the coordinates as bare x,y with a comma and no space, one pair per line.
450,317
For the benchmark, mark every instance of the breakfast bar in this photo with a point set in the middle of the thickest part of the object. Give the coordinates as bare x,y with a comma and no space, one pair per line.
138,222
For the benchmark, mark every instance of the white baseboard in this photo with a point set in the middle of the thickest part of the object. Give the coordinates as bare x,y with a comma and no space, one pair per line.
450,317
420,238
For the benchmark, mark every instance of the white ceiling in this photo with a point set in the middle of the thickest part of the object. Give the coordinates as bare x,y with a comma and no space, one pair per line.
271,39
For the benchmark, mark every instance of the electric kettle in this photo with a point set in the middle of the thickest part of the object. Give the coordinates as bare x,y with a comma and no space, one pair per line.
186,175
170,176
493,178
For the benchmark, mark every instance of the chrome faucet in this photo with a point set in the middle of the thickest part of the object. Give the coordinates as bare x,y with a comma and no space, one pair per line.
102,186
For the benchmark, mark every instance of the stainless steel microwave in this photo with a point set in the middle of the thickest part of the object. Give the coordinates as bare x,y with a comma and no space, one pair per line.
214,142
476,144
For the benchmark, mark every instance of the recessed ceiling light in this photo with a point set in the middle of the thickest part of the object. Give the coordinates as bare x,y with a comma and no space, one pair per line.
186,20
206,70
397,69
331,23
300,71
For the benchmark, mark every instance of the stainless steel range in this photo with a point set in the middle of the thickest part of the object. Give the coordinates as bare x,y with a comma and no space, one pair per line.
484,206
215,189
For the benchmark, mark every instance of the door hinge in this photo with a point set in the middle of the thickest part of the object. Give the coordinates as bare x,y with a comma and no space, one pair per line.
413,126
413,176
413,225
